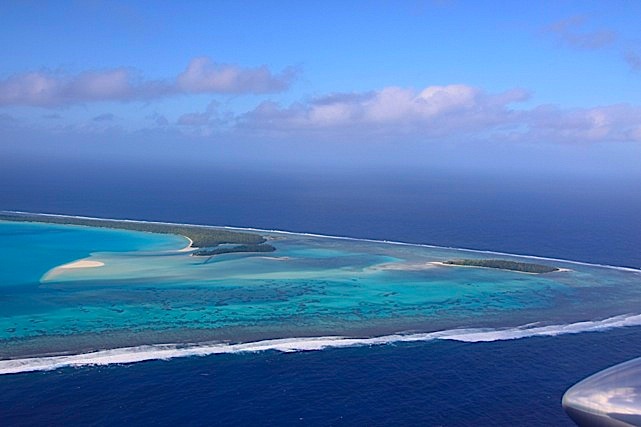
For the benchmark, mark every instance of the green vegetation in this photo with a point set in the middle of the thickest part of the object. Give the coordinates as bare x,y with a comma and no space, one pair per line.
240,248
201,236
502,264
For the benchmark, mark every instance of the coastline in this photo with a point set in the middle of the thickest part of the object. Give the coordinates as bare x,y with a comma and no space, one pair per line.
189,246
143,353
198,236
504,331
357,239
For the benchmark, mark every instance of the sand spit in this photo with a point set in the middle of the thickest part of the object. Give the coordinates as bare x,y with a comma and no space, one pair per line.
83,263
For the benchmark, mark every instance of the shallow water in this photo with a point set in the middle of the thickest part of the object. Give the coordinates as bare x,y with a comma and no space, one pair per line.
312,286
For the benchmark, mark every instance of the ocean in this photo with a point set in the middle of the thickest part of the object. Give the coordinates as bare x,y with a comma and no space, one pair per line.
501,382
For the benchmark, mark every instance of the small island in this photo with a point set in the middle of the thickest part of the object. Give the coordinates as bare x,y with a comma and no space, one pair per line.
502,264
207,239
234,249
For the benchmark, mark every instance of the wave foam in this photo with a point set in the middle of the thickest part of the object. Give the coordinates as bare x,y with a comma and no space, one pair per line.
170,351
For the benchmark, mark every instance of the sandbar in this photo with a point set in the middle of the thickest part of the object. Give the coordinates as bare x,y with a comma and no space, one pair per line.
404,266
80,264
83,263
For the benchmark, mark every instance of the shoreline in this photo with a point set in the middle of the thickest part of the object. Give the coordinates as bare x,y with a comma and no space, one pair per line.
198,236
149,352
189,246
391,242
490,333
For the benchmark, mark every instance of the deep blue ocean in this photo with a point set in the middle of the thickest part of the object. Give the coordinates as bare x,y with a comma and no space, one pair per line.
502,383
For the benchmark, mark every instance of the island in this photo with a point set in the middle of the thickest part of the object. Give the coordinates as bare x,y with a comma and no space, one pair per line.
205,239
232,249
502,264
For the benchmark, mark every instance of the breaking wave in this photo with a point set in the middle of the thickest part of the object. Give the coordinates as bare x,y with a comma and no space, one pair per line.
169,351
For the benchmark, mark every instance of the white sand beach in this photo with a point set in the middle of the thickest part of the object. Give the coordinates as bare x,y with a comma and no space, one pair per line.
75,265
83,263
189,247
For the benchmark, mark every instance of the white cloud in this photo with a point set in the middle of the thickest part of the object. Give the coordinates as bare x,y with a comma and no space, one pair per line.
444,112
608,123
204,76
433,110
49,89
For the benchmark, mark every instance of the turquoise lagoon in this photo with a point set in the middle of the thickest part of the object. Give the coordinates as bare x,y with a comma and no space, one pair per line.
312,292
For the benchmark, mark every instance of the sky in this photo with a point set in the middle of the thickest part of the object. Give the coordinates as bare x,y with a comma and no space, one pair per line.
521,86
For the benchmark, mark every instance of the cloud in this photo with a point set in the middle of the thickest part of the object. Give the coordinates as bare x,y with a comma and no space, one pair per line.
159,119
633,59
54,89
204,76
438,113
569,31
194,119
6,118
435,110
430,115
208,117
107,117
620,122
47,89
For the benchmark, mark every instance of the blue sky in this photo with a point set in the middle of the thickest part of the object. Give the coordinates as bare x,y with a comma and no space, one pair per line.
334,83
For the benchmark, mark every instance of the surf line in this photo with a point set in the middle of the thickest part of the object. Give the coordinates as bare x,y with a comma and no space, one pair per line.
144,353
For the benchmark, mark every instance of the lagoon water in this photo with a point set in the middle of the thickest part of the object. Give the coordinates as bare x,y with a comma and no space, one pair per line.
479,376
140,289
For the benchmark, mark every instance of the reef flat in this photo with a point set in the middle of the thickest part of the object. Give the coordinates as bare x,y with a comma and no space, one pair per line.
69,290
